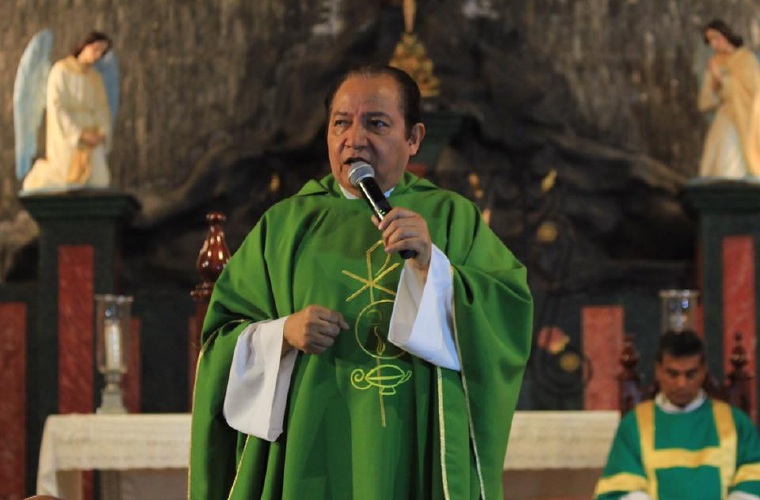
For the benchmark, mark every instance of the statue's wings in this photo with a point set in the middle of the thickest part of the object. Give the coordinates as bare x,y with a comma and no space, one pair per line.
29,91
108,65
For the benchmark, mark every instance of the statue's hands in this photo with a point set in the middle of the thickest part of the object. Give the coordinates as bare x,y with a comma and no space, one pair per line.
406,230
715,67
312,330
91,138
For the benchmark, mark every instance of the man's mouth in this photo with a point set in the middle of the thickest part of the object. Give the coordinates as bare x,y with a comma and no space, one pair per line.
354,159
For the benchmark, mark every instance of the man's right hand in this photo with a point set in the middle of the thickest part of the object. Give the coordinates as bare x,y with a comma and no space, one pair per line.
312,329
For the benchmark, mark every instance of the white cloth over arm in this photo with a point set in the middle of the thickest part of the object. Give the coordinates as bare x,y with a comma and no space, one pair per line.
741,495
421,322
259,381
636,495
257,388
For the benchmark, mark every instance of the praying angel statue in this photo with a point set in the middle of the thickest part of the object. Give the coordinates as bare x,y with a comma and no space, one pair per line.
80,97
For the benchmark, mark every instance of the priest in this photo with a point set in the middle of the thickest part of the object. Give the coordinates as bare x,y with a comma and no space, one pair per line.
331,367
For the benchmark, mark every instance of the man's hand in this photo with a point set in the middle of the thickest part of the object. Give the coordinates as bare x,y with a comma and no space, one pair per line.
406,230
312,329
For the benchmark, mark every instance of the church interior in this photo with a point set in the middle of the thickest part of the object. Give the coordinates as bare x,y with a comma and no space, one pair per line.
572,125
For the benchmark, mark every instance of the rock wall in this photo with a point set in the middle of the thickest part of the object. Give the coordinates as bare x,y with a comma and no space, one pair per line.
218,96
578,123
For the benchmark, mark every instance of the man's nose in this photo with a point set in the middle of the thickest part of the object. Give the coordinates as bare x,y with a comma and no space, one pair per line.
357,136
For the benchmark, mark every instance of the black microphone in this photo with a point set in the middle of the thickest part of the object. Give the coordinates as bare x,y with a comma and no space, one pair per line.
361,175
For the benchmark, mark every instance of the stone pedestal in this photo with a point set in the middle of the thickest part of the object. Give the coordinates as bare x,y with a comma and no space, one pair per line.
79,253
728,214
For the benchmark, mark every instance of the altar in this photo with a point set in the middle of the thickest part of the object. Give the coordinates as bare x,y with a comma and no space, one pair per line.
149,453
137,451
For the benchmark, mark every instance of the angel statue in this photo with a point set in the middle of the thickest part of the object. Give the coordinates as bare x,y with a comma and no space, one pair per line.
731,89
80,94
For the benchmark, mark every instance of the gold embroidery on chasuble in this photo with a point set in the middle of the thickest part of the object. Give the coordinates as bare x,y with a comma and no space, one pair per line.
722,456
377,287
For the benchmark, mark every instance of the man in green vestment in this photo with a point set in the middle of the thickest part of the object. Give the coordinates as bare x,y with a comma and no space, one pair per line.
683,445
331,368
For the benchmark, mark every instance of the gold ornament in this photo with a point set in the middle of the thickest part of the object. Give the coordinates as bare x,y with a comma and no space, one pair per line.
411,56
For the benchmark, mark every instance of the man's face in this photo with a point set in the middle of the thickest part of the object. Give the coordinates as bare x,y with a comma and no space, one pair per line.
680,378
366,123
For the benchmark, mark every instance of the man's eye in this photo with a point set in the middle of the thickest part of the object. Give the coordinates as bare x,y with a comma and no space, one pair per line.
340,122
378,123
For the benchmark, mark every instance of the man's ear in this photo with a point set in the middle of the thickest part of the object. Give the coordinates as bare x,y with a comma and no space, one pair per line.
415,138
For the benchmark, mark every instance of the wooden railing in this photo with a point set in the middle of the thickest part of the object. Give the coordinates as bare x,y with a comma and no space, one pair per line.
211,261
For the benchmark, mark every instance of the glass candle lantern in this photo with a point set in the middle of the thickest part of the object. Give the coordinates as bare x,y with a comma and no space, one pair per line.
112,327
679,310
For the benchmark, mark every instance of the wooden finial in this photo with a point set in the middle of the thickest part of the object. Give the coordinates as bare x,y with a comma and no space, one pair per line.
214,253
737,386
628,379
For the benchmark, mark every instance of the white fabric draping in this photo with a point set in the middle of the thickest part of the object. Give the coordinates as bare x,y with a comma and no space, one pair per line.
76,442
560,439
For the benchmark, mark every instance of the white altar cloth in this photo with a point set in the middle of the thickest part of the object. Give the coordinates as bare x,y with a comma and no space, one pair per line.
539,440
542,440
76,442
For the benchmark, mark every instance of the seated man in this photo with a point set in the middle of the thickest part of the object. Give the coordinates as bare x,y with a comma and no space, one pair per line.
682,445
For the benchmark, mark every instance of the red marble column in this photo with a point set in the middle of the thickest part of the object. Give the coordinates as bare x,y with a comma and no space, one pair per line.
739,304
13,400
602,331
76,340
133,378
75,329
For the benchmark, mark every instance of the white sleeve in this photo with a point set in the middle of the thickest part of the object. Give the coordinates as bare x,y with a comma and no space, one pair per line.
257,390
636,495
742,495
421,322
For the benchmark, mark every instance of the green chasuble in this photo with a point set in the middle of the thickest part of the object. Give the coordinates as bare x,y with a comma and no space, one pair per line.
701,455
365,420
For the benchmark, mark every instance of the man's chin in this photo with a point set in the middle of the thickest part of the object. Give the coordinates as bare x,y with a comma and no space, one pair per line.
680,401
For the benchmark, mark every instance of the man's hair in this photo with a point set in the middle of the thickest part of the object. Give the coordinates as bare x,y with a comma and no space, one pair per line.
410,92
92,37
724,29
681,344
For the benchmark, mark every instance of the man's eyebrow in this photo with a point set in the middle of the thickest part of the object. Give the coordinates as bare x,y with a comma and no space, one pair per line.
368,114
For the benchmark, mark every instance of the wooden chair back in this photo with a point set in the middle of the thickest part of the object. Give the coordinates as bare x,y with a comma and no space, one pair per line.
735,390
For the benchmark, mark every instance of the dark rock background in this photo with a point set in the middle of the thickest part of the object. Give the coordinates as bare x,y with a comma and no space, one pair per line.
221,109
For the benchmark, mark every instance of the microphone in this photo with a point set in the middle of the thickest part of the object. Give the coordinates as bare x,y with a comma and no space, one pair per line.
361,175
